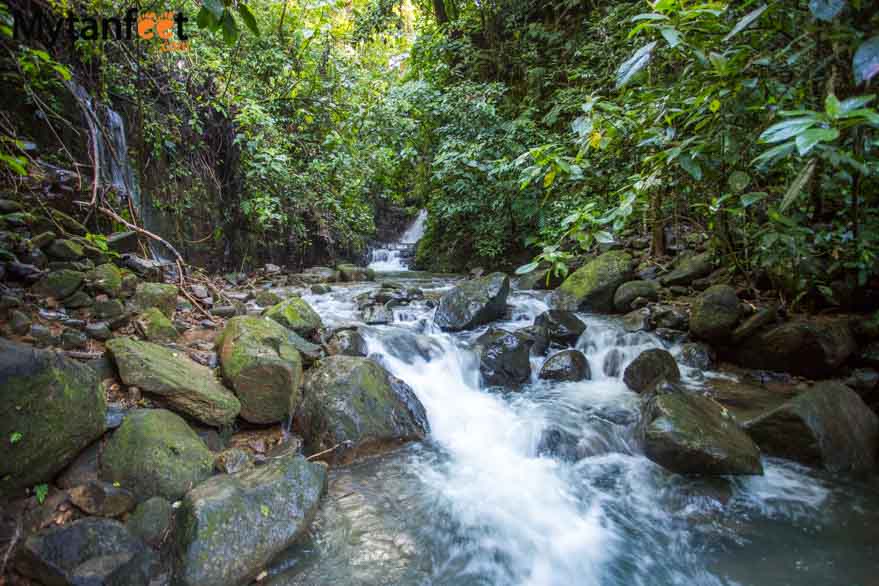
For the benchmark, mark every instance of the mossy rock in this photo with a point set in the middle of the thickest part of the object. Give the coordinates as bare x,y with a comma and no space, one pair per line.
297,315
267,298
151,520
593,286
261,363
106,278
354,403
473,303
159,295
650,368
53,405
233,525
156,327
688,268
715,314
155,453
184,385
59,284
63,249
628,292
351,273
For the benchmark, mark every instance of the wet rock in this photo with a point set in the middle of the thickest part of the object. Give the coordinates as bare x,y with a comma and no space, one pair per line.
27,273
692,434
263,367
87,552
613,363
377,315
650,368
267,298
350,273
158,295
155,327
355,404
669,317
827,426
231,526
232,461
561,326
107,279
567,365
473,303
73,340
688,268
761,318
638,321
560,443
627,293
592,287
146,269
39,391
321,289
155,453
698,355
59,284
62,249
101,499
504,358
184,385
715,314
537,336
347,343
151,521
99,331
814,348
42,335
19,322
323,274
109,309
79,300
297,315
537,280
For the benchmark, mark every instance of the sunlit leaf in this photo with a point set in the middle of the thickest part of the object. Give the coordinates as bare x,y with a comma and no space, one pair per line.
671,36
525,269
866,60
826,10
691,166
774,154
796,188
746,20
649,16
635,64
855,103
749,199
807,140
832,107
787,129
604,237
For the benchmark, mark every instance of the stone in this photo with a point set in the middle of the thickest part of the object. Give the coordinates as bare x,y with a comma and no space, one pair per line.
62,249
473,303
561,326
19,322
375,315
107,279
123,242
99,331
151,521
639,320
224,311
101,499
73,340
349,273
649,369
692,434
39,391
827,426
593,286
158,295
155,326
233,525
42,335
82,470
320,289
323,274
504,358
715,313
267,298
79,300
109,309
753,324
263,367
567,365
627,293
155,453
232,461
181,383
698,355
689,268
354,407
27,273
347,343
69,224
59,284
146,269
297,315
669,317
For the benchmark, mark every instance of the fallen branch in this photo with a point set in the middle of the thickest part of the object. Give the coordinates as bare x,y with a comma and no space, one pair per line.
334,448
15,537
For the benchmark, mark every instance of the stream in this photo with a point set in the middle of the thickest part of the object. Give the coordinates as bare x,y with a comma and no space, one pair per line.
482,502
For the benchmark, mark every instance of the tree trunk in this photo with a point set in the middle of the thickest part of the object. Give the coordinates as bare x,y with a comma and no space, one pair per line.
439,9
657,241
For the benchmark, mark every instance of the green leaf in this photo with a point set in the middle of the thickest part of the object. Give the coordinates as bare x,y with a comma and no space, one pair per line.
604,237
796,188
787,129
525,269
248,18
230,28
634,64
855,103
671,36
205,19
826,10
216,8
649,16
15,437
774,153
41,491
738,181
750,199
832,107
745,21
63,72
691,166
807,140
866,60
17,164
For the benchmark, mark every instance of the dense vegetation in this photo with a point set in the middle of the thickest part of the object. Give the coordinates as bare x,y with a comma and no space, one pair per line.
528,129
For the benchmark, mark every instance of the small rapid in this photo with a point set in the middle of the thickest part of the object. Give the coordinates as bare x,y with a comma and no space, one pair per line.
396,256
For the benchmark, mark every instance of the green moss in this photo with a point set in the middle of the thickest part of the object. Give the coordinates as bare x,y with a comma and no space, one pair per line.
157,327
106,278
593,285
297,315
158,295
59,284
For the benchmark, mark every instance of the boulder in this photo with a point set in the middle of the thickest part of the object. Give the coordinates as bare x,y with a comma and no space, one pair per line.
650,368
297,315
109,309
106,278
698,355
53,406
567,365
593,286
813,348
353,403
263,366
350,273
155,453
62,249
692,434
322,274
181,383
88,552
537,280
159,295
504,358
123,242
473,303
377,315
689,268
267,298
102,499
151,520
629,292
155,326
715,313
639,320
59,284
827,426
561,326
348,343
230,527
761,318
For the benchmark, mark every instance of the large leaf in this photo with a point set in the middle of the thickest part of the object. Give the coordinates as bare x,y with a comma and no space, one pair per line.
634,64
866,60
749,199
691,166
746,20
671,36
248,18
525,269
826,10
807,140
774,154
787,129
215,7
230,28
738,181
796,188
852,104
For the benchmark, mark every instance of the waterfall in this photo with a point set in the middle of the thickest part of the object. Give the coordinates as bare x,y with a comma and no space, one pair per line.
395,256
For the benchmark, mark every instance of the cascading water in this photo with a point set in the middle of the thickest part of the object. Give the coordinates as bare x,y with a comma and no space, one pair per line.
395,256
548,486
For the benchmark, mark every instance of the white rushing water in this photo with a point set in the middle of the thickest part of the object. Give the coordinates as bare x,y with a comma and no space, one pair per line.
395,256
